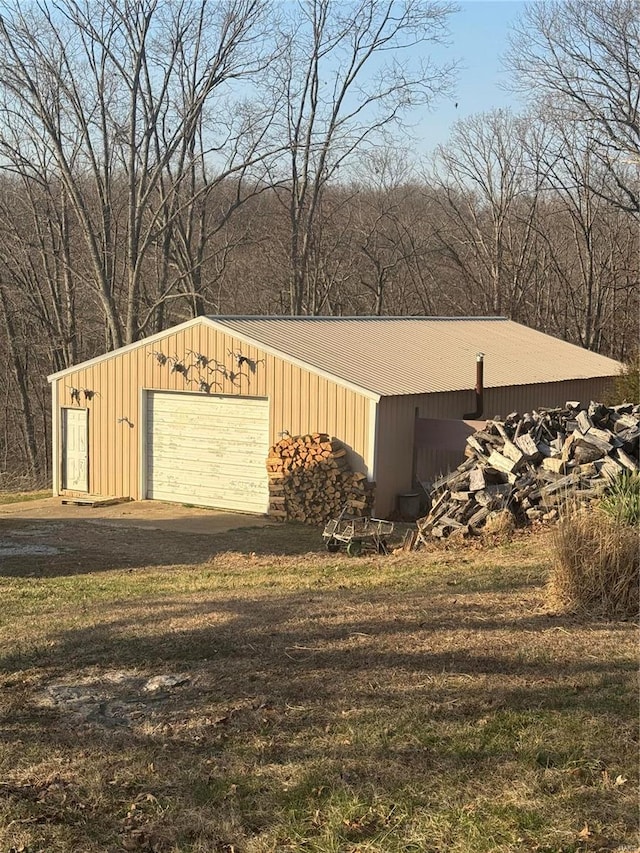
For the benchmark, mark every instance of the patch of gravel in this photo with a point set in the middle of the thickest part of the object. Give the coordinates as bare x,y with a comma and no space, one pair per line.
30,549
117,698
164,682
9,547
36,530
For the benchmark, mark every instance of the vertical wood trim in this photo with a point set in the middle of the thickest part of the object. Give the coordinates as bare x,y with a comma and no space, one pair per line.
87,438
102,435
142,445
371,440
55,440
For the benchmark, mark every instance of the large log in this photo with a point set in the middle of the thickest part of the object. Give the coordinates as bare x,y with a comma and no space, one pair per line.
596,441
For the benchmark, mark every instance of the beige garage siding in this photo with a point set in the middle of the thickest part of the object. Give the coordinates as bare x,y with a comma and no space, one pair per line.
394,450
300,401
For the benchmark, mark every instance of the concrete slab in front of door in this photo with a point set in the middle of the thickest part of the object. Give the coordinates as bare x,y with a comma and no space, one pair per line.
147,515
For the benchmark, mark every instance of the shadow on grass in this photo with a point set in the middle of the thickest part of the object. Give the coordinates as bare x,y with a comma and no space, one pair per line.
75,547
279,643
301,701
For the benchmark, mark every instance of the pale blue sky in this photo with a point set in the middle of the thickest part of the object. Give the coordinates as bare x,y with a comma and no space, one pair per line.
479,34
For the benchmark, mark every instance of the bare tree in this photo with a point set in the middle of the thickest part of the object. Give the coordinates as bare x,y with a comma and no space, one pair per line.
349,76
487,189
36,248
98,90
574,224
20,362
388,232
583,58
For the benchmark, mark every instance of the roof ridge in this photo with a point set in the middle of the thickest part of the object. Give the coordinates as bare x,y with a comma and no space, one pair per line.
275,317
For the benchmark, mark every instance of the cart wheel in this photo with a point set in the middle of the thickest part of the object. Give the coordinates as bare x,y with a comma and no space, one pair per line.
332,546
354,548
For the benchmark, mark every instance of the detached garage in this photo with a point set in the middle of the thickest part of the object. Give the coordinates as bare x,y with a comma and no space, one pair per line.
188,415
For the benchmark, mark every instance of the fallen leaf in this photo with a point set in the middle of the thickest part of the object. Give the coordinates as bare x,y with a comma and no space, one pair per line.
585,832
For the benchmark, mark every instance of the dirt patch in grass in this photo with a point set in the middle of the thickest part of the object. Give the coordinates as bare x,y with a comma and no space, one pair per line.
425,702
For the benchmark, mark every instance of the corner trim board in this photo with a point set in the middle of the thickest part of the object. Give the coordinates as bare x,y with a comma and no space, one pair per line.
142,445
371,440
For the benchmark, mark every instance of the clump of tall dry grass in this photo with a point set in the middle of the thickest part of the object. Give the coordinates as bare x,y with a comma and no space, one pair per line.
597,563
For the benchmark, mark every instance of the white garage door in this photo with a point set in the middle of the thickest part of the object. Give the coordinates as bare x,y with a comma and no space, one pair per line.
208,450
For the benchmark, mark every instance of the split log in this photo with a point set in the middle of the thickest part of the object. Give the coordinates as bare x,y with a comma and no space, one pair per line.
626,460
476,479
596,441
624,422
502,463
512,452
584,422
557,465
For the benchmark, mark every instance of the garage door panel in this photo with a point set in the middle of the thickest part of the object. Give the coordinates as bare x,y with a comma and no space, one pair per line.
201,461
201,476
225,407
208,450
226,451
245,493
181,494
211,429
194,446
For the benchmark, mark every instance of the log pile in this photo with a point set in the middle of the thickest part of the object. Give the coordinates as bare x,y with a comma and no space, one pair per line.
310,480
529,464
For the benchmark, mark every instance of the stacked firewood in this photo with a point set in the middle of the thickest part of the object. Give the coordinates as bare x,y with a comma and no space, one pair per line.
529,464
310,480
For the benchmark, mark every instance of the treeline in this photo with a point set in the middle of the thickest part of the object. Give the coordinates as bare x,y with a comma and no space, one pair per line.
399,249
140,186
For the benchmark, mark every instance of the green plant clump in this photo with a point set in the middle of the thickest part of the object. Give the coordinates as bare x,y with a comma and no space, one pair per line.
622,499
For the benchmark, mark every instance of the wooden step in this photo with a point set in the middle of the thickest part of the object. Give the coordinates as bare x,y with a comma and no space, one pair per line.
92,500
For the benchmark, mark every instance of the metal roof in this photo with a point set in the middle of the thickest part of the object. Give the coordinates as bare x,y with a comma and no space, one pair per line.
389,356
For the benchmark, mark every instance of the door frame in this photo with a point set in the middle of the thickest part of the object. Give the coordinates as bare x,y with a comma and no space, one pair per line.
63,447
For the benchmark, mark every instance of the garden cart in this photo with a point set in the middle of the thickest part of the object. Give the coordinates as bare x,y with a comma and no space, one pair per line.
357,534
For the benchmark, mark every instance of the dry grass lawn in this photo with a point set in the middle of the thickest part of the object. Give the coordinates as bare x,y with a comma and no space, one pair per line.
429,702
21,497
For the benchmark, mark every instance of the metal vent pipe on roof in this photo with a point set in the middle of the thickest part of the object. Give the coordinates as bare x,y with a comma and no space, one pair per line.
479,390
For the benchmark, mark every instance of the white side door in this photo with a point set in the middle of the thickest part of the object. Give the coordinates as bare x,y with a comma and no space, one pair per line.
75,450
